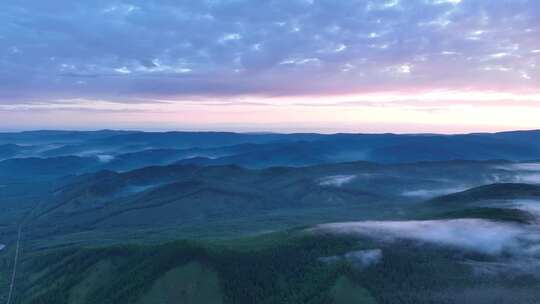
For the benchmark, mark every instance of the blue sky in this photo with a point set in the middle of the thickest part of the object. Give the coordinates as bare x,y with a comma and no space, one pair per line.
320,65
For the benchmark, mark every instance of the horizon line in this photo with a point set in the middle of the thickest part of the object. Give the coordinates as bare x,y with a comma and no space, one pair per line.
256,132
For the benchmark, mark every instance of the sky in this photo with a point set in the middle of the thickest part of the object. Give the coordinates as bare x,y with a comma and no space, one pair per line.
404,66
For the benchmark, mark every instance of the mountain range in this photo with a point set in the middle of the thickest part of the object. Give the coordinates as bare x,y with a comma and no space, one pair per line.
212,217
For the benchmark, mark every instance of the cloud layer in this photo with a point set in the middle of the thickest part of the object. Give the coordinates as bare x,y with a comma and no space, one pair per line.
136,55
483,236
139,48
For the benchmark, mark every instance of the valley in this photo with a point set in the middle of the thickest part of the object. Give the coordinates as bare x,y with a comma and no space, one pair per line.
354,231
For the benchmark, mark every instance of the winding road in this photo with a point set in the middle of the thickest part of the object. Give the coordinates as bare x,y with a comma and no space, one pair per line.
15,261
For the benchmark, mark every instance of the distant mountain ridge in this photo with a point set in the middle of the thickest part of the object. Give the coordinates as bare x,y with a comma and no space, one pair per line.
127,150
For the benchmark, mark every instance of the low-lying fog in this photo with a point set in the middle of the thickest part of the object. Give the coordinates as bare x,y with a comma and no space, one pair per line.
105,158
336,180
528,173
522,167
530,206
479,235
429,193
514,246
360,258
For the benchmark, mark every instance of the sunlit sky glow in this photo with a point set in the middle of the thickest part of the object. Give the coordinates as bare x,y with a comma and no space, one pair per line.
403,66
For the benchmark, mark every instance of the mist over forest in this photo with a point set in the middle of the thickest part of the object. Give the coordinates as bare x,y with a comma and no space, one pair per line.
282,218
270,152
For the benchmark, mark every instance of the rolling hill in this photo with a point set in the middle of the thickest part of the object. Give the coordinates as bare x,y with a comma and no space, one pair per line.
190,217
226,200
499,191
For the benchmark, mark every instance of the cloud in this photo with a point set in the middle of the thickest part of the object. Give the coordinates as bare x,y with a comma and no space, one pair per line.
528,178
521,167
427,193
515,248
530,206
364,258
127,49
336,180
483,236
105,158
359,258
528,173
